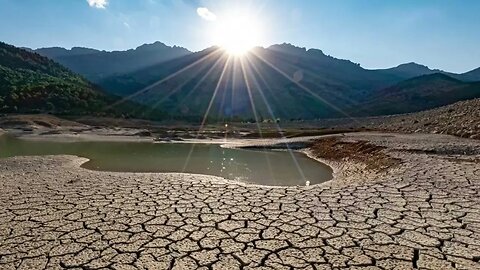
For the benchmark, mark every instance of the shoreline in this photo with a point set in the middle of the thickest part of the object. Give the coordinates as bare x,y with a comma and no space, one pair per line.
391,219
128,135
343,172
233,143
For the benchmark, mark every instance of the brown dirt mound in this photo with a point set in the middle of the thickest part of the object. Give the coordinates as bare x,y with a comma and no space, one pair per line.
361,151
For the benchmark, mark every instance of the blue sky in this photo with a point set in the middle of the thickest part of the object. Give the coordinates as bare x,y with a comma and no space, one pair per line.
442,34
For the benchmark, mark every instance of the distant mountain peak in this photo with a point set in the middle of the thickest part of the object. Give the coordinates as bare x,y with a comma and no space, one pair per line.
59,51
472,75
412,65
52,48
96,65
157,45
434,76
288,48
316,52
83,50
409,70
287,45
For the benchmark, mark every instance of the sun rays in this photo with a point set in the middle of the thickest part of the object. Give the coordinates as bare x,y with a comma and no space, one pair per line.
237,35
238,79
235,29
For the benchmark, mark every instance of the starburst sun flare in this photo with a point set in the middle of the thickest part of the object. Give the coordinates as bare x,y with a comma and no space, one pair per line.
237,34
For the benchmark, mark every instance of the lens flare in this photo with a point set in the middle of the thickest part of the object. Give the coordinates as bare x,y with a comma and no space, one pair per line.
237,34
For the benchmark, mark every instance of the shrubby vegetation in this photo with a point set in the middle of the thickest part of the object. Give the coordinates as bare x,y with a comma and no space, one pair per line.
30,83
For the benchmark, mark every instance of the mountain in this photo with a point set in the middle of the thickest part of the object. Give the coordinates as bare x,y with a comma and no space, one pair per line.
411,70
31,83
285,81
419,93
95,64
408,70
281,81
326,68
473,75
56,52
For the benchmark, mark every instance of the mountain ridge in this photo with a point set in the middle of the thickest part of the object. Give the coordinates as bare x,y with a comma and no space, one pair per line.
95,64
93,50
280,81
31,83
306,83
425,68
420,93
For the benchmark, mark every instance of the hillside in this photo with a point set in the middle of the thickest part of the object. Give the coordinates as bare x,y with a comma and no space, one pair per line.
98,65
408,70
95,64
420,93
31,83
281,81
460,119
473,75
411,70
288,81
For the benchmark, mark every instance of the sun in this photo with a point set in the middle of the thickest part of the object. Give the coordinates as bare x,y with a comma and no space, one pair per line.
237,34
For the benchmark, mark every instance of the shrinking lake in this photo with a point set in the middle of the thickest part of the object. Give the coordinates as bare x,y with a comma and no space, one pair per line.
264,167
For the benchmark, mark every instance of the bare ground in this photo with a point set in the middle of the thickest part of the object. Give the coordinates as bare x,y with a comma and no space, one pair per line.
420,214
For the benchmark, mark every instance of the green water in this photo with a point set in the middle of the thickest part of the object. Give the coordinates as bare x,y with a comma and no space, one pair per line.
255,166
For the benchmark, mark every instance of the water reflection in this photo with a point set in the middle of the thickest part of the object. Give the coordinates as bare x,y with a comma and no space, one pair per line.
235,164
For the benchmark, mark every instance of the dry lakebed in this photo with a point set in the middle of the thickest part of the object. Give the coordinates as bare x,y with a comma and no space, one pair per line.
402,202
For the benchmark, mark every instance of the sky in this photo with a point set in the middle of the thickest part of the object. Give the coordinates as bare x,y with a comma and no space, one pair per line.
443,34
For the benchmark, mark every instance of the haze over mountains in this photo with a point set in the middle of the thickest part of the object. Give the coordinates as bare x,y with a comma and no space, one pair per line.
281,81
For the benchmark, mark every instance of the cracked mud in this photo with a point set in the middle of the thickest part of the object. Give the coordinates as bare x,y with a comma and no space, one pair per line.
425,214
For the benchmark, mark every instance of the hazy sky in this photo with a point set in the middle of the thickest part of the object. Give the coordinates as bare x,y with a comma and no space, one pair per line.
442,34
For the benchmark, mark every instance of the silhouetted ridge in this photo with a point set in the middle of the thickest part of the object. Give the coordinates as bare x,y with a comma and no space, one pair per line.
420,93
287,48
95,64
473,75
294,82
